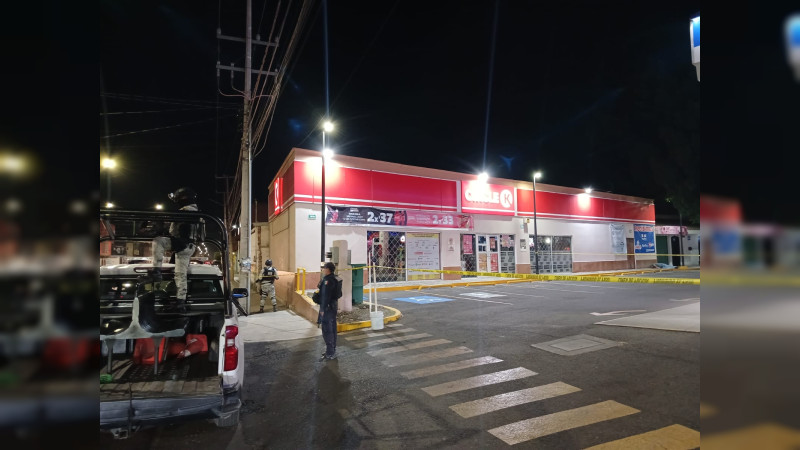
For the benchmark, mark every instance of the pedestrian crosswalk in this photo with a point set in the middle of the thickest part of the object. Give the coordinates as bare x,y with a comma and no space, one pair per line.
399,352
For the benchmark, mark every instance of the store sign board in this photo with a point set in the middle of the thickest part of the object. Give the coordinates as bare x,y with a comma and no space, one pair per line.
373,216
484,198
644,238
672,230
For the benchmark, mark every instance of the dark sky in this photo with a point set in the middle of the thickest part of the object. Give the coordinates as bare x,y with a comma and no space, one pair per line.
594,94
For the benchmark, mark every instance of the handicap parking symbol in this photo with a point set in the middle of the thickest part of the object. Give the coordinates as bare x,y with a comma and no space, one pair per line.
423,300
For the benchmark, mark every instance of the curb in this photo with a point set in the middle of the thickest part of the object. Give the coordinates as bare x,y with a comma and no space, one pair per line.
340,327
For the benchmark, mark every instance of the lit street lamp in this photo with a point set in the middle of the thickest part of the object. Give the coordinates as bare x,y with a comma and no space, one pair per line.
535,231
327,153
109,205
108,164
588,190
483,177
159,206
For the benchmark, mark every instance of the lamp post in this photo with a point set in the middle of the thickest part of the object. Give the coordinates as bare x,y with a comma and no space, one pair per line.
327,127
535,230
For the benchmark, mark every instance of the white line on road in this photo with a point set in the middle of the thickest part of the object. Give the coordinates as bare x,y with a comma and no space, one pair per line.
509,399
402,348
450,367
473,299
478,381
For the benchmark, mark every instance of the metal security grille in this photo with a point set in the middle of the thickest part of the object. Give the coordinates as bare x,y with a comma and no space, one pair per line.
387,251
469,262
507,264
555,254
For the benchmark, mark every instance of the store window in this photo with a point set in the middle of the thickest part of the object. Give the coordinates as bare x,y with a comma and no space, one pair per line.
555,254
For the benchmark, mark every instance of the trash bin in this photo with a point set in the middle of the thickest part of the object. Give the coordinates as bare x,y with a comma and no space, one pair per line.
358,283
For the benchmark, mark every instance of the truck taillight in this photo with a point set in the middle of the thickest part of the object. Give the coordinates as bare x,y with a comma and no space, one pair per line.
231,352
231,358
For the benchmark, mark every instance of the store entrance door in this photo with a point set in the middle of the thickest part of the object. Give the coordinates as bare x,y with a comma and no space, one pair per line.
469,260
488,253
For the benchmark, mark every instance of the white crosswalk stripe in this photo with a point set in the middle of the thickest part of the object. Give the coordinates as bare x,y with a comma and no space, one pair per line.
425,357
529,429
509,399
357,337
673,437
478,381
396,339
402,348
450,367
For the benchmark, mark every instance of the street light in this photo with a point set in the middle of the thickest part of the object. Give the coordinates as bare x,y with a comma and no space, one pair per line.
159,206
588,190
535,231
326,154
109,205
109,164
483,177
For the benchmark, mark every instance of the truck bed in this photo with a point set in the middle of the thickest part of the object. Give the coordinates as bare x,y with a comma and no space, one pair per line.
194,375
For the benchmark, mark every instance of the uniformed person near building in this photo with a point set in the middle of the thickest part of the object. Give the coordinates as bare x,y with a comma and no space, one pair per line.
327,310
181,241
268,277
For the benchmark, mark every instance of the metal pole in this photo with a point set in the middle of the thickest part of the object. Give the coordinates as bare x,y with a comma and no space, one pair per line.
324,213
535,230
680,235
244,227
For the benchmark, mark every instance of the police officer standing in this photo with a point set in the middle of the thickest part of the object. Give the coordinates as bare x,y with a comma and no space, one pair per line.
327,309
268,277
181,241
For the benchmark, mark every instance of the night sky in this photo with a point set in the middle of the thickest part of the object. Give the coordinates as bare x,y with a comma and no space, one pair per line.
599,94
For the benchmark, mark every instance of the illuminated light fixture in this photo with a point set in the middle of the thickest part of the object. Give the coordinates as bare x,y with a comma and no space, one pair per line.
327,153
109,163
109,205
588,190
159,206
483,177
327,126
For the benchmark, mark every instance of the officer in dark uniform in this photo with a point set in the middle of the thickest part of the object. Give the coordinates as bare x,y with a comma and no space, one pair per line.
327,309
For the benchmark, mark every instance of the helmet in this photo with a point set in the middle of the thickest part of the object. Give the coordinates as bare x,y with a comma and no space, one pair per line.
183,196
268,262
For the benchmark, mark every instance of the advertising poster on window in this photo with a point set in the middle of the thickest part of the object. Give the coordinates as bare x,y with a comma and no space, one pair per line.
492,244
466,245
617,237
495,266
422,250
644,238
363,215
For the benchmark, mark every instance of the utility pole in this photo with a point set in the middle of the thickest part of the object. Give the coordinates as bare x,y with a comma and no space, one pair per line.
245,153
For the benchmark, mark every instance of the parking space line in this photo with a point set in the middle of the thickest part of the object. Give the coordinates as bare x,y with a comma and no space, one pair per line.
388,333
450,367
529,429
461,297
478,381
673,437
402,348
509,399
425,357
561,283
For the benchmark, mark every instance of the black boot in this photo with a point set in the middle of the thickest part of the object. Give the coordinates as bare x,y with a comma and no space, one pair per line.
261,310
274,308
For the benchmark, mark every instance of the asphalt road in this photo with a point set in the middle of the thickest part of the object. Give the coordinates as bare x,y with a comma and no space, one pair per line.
375,396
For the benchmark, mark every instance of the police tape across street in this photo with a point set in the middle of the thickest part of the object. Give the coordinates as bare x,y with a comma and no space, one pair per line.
535,277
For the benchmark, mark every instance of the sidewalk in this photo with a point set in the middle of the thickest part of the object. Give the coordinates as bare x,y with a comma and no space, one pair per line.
276,326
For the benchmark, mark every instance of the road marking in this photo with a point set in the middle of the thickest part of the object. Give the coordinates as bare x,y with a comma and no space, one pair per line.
683,300
559,283
425,357
616,313
388,333
511,293
562,290
402,348
673,437
450,367
509,399
707,410
482,294
478,381
398,339
526,430
475,300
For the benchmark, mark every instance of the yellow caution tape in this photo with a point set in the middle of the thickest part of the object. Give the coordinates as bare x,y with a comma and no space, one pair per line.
535,277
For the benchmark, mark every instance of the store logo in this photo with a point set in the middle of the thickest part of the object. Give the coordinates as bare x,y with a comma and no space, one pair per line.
485,194
506,199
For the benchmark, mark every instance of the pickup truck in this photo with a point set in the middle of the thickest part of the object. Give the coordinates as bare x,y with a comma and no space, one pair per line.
203,382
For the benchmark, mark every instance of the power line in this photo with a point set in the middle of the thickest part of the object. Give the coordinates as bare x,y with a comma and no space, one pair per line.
160,128
157,111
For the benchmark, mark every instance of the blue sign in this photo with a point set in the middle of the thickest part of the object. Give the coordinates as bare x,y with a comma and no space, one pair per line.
644,238
424,300
793,30
696,32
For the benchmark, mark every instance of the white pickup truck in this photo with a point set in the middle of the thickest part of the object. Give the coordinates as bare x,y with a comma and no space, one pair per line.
134,308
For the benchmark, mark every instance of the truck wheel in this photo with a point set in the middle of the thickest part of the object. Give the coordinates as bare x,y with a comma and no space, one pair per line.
230,421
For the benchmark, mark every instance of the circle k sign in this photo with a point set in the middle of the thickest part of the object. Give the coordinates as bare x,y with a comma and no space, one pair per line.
487,198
